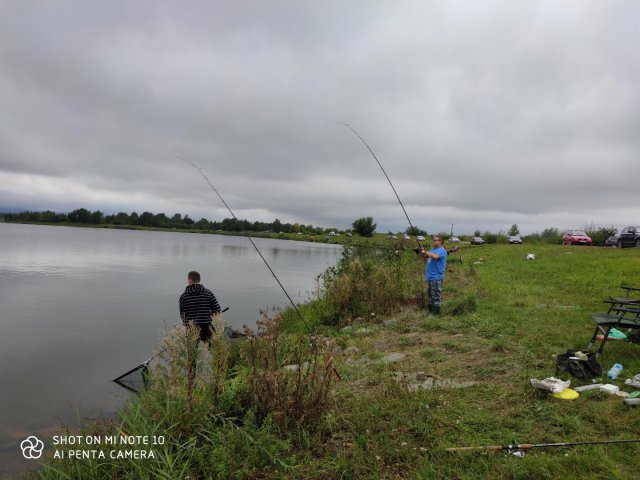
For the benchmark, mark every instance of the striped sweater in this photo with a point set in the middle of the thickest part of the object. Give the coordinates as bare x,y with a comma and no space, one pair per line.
197,303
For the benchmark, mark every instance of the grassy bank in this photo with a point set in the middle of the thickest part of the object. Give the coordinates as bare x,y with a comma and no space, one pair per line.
504,319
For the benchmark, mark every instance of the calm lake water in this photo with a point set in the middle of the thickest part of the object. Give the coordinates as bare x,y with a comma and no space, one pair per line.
79,306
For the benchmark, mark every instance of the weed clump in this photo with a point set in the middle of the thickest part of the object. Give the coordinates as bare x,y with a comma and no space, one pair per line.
461,305
377,282
289,376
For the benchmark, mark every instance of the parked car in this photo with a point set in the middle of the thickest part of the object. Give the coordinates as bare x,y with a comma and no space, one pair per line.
515,239
576,237
454,240
420,238
477,241
629,237
612,241
407,237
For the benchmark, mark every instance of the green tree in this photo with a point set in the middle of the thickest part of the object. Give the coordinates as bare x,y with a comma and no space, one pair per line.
551,235
161,220
514,230
81,215
203,223
121,218
147,219
231,225
364,226
276,226
415,231
50,216
477,233
176,220
97,217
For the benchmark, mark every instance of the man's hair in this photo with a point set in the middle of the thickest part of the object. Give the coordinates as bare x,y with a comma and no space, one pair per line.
439,237
194,277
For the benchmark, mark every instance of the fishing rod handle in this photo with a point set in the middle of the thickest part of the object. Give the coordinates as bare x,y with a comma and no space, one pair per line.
475,449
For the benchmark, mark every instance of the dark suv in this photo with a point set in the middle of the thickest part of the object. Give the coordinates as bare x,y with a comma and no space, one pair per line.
629,237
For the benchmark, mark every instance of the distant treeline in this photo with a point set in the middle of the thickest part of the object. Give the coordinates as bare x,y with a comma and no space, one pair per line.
161,220
178,221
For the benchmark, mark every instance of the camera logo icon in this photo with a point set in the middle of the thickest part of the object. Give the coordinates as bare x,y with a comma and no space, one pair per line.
32,447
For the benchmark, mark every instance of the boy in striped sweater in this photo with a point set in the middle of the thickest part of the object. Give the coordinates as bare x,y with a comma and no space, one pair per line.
197,304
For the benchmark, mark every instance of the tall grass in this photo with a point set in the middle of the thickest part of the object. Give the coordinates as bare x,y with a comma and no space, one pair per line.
234,418
289,376
364,283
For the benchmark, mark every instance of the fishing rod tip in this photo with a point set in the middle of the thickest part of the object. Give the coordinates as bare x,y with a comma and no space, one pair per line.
336,121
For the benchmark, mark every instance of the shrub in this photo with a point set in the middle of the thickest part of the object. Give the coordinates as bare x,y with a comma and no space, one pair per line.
289,376
551,235
600,235
495,237
378,281
364,226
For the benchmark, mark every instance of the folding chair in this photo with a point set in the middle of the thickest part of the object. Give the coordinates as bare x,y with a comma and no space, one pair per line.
627,316
626,300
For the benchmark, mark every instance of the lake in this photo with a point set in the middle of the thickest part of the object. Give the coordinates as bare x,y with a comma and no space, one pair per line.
79,306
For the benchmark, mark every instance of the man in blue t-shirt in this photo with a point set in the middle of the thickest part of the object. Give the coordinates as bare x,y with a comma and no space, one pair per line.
436,263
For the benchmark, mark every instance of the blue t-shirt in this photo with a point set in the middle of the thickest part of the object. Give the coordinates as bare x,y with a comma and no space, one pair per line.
435,268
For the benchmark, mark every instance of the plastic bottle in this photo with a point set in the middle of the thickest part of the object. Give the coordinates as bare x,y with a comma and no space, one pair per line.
614,371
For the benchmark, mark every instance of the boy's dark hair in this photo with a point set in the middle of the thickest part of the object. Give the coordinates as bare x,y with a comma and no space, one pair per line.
194,276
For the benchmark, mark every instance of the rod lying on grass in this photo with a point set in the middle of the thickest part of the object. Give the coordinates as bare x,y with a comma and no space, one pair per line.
528,446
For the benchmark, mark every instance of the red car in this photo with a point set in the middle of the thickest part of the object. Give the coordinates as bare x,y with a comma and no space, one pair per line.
576,237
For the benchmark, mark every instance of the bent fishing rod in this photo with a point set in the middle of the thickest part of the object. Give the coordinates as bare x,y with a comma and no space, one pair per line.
413,229
295,307
252,242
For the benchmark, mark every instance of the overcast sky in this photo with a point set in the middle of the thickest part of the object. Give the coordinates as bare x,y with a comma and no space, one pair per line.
483,113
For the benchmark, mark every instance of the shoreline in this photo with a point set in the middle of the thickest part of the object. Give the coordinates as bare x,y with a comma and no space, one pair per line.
375,241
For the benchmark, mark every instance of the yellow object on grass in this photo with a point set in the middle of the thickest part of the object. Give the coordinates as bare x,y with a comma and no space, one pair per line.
567,394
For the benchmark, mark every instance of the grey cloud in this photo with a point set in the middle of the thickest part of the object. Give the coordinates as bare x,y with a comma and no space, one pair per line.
479,112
